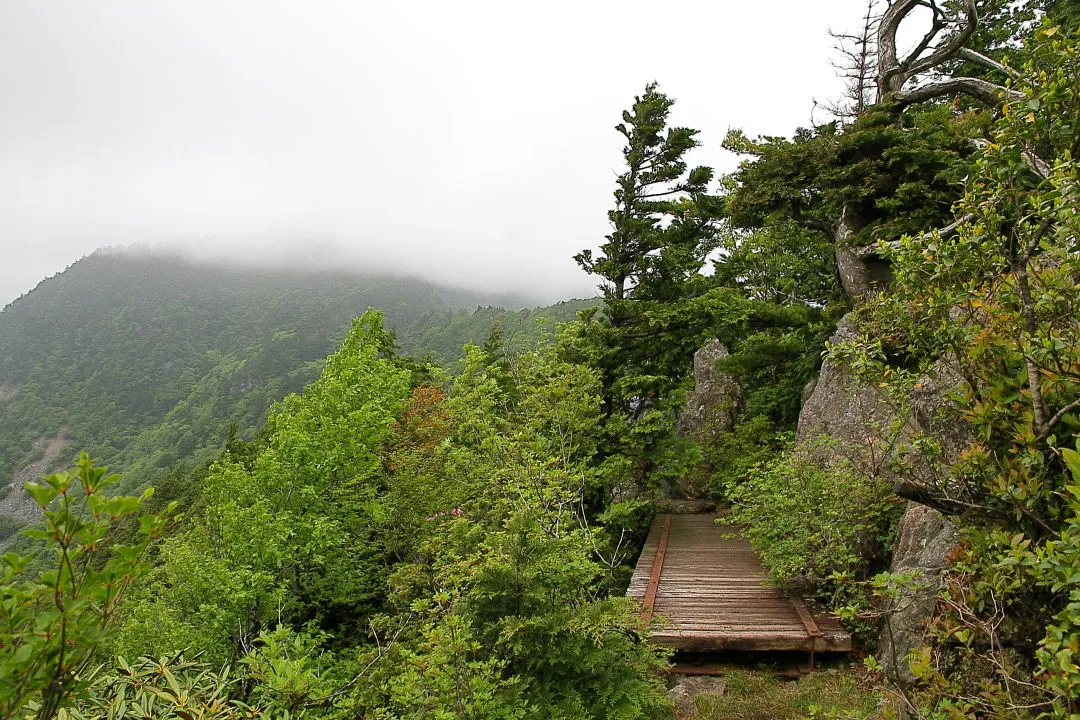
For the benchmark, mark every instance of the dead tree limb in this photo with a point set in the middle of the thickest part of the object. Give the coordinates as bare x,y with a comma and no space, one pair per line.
984,91
894,73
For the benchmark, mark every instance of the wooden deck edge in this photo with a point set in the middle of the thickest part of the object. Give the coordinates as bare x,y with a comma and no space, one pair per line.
657,568
762,643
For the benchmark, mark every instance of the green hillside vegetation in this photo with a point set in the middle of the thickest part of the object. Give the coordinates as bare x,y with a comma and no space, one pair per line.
443,333
145,361
399,543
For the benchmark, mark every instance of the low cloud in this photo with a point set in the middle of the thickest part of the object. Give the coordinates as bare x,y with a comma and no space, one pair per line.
468,142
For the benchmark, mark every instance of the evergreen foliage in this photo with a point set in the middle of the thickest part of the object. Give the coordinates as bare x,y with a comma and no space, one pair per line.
440,334
883,176
658,305
998,301
822,530
395,544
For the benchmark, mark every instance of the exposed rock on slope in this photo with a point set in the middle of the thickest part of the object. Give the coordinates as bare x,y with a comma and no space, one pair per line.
710,409
875,431
8,391
14,501
863,424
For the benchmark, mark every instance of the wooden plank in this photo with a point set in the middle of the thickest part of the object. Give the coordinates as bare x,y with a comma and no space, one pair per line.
707,587
657,568
756,642
806,618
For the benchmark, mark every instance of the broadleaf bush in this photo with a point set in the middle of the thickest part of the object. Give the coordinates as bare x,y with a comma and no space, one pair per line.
819,527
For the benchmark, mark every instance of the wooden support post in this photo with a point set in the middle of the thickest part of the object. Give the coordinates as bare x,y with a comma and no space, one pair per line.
813,632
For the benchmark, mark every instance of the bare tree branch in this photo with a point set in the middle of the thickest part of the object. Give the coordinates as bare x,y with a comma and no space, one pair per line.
894,74
1071,407
982,90
888,65
865,251
1036,164
936,27
857,64
949,47
989,62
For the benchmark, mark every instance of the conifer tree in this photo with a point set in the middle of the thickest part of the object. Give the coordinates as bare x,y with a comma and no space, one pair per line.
662,222
658,305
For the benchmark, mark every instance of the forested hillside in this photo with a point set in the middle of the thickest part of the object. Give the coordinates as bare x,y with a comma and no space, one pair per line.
145,360
442,333
898,296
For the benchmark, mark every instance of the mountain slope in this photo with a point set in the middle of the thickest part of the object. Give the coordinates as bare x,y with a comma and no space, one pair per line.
145,360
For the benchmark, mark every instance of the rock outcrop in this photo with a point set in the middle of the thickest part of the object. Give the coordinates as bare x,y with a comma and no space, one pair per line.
711,408
842,417
922,546
8,390
713,403
852,415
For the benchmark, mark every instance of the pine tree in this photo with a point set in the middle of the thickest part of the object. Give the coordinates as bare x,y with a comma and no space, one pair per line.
658,305
662,223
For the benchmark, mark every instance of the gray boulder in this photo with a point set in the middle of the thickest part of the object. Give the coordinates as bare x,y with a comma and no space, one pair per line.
711,408
713,403
852,416
842,417
922,546
689,687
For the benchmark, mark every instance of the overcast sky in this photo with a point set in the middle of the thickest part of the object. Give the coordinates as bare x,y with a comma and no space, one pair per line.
469,141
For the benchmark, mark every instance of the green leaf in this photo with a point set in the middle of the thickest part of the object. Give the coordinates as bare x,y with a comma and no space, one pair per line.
1072,459
43,494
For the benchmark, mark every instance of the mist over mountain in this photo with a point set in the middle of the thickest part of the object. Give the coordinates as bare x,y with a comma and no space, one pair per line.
145,358
315,256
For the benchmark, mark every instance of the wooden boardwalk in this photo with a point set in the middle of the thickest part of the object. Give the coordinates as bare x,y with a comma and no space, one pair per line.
710,593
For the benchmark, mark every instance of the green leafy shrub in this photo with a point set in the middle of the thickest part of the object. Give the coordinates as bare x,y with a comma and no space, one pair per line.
287,675
822,528
997,297
734,456
51,623
501,602
288,535
171,687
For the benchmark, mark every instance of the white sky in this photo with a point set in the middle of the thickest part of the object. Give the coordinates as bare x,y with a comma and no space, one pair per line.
470,141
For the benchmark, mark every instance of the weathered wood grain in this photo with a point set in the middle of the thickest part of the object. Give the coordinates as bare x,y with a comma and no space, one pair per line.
706,586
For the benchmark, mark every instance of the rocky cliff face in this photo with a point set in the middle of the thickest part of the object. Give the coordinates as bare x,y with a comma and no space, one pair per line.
711,408
874,431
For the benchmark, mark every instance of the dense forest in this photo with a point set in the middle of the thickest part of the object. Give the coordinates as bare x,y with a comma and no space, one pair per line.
399,541
146,361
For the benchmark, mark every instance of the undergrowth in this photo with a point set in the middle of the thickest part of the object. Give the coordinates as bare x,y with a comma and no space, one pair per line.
759,695
823,530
